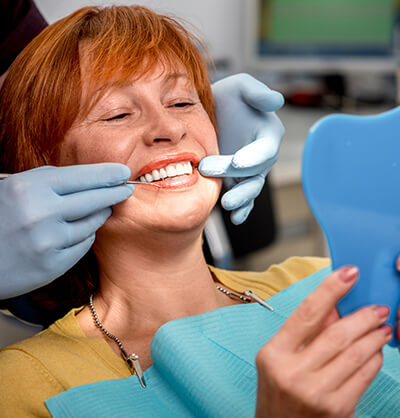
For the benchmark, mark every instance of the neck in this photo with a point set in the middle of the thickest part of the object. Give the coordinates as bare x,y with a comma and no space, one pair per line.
145,283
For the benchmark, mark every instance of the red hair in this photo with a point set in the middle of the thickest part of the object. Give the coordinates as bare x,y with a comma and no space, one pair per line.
41,96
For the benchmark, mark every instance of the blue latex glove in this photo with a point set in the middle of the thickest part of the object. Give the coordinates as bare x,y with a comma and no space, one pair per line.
250,134
48,220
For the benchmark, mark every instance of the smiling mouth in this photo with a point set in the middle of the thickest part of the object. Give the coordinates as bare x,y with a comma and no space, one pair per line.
183,168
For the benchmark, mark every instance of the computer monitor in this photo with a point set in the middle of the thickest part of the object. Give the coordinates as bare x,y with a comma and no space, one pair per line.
322,35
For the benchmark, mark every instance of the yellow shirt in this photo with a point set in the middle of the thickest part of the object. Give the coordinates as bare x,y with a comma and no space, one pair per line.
62,357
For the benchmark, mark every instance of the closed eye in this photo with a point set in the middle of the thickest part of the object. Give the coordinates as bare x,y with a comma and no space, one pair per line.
116,117
183,104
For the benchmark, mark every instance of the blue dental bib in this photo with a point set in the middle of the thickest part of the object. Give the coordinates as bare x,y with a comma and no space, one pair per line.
204,366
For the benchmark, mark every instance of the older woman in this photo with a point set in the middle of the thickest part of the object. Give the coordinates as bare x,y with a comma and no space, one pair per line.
126,85
249,137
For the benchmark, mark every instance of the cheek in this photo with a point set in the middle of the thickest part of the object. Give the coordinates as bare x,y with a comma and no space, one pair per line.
212,148
68,153
92,146
79,147
207,136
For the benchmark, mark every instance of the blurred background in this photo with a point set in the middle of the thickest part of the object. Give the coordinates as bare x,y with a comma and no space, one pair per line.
325,56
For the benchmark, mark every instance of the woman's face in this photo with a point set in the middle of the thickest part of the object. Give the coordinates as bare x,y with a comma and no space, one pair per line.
158,127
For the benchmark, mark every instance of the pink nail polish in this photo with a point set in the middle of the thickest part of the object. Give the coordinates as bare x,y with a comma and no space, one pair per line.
386,329
348,273
382,311
398,263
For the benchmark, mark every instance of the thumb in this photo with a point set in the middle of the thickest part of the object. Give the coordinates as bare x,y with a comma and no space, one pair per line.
258,95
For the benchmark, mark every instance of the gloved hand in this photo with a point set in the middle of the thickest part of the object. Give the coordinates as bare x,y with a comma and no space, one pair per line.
48,219
250,134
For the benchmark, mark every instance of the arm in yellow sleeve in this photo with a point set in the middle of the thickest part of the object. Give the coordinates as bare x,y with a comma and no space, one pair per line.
24,385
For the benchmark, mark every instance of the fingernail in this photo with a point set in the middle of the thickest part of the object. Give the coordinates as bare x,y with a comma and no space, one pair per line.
348,273
386,329
382,311
398,263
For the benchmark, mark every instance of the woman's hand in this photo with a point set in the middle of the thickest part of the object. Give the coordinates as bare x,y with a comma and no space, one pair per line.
317,364
49,217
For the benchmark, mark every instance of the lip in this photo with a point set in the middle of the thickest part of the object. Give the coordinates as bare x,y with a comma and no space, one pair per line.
165,160
174,183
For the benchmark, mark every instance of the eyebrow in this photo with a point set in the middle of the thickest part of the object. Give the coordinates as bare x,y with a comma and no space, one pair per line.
172,79
175,77
167,78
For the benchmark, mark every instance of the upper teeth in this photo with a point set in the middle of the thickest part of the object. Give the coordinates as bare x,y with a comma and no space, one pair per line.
171,170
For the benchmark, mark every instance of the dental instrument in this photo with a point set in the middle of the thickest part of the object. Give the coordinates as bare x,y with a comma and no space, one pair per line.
5,175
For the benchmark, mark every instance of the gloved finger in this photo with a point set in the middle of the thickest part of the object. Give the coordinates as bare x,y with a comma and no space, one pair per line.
243,192
263,152
76,178
216,166
82,229
79,205
41,168
221,166
258,95
69,256
238,216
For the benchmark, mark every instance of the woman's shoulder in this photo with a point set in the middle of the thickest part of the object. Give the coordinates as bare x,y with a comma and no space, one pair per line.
52,339
41,352
301,266
56,359
26,381
276,278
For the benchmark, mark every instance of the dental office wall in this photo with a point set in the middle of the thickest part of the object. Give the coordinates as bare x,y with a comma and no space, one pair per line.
223,24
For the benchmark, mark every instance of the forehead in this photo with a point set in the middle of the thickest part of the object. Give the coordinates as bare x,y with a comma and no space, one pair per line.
95,81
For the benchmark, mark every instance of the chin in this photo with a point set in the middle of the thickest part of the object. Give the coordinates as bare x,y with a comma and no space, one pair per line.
180,212
183,219
168,212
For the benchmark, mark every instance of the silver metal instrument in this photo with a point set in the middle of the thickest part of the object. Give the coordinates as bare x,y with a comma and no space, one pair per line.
5,175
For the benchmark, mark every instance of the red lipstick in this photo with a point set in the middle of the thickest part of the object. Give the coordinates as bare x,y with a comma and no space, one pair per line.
165,160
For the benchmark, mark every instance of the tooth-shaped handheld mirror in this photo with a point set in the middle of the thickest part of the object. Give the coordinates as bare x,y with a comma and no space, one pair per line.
351,179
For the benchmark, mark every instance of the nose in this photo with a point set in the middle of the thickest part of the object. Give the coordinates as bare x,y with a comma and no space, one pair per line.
164,125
